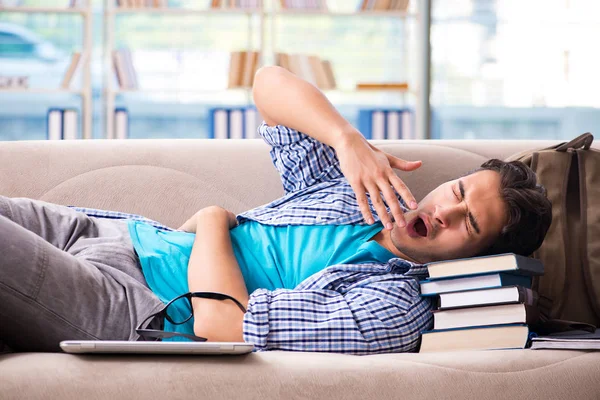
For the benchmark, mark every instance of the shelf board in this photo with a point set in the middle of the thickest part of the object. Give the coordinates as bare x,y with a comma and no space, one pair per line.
183,11
176,91
367,13
42,90
51,10
117,91
291,12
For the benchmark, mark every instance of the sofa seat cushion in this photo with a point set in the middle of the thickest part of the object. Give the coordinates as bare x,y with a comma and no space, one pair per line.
506,374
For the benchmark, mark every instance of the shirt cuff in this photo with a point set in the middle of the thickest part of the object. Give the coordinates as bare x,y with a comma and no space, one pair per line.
256,320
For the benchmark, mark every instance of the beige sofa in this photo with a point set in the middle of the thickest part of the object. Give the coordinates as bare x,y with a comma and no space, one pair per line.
168,180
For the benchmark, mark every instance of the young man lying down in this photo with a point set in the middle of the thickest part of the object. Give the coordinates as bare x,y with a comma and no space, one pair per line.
332,266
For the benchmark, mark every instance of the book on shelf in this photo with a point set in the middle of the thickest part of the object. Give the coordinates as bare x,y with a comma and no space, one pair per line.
482,297
569,340
384,5
432,287
142,3
506,262
233,123
378,124
121,123
308,67
76,3
78,60
124,69
486,315
304,4
514,336
242,67
236,4
62,124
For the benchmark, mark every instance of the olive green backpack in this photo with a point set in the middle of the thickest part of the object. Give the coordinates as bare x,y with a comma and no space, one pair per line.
570,287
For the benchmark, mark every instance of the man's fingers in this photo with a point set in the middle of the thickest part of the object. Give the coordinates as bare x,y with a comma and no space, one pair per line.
404,165
377,202
363,203
403,191
394,204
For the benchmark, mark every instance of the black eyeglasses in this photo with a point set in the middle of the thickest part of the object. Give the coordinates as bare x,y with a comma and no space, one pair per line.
156,334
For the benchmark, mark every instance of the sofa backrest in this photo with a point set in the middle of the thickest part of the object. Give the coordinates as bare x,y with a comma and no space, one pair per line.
169,179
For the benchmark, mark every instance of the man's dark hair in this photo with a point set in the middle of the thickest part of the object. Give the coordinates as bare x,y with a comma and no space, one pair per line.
529,210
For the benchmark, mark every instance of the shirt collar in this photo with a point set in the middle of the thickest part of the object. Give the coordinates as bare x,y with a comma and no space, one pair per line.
410,268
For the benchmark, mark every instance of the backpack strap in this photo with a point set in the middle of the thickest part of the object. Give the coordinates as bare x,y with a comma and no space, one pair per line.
589,184
551,285
583,141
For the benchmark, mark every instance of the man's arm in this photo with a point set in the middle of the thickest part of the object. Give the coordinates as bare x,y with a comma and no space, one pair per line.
214,268
380,317
284,99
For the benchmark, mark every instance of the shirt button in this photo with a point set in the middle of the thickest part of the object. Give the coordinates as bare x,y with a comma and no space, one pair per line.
319,218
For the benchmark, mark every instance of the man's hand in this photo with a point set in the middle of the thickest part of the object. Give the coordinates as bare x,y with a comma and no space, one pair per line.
191,224
369,170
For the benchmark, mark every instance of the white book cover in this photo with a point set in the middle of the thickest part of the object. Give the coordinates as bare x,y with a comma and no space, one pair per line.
55,125
121,124
236,124
70,128
407,125
378,125
221,124
252,123
393,125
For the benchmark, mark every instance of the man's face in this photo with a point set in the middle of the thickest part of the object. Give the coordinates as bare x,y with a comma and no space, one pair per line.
458,219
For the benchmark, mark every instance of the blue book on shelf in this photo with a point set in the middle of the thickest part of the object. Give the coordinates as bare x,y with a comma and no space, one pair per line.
54,124
365,120
218,123
433,287
376,123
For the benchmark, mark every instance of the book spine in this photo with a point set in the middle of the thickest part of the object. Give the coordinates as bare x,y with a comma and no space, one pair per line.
121,128
69,125
54,128
365,122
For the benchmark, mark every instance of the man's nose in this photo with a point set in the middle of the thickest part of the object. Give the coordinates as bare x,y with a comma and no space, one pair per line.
445,216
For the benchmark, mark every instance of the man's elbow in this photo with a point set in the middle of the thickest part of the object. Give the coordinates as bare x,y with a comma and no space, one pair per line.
218,328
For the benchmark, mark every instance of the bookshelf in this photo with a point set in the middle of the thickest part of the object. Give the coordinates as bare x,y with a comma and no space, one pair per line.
111,11
85,92
269,12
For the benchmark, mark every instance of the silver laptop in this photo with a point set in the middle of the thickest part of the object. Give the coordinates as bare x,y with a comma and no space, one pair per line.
141,347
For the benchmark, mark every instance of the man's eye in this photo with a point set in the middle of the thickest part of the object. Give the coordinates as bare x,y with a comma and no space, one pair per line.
455,194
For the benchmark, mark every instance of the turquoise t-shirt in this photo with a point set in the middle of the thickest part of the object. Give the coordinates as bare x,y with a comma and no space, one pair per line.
270,257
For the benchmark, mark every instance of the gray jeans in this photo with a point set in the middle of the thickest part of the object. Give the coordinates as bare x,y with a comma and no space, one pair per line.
64,275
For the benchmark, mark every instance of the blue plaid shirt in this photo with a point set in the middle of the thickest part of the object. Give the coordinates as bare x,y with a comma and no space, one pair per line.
355,309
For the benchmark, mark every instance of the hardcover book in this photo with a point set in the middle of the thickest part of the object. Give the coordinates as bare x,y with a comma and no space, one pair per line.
506,262
483,297
432,287
482,338
482,316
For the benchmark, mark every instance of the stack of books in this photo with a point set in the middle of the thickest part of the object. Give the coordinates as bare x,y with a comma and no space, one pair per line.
484,303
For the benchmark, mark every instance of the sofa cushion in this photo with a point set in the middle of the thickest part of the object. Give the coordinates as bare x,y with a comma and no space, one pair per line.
507,374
